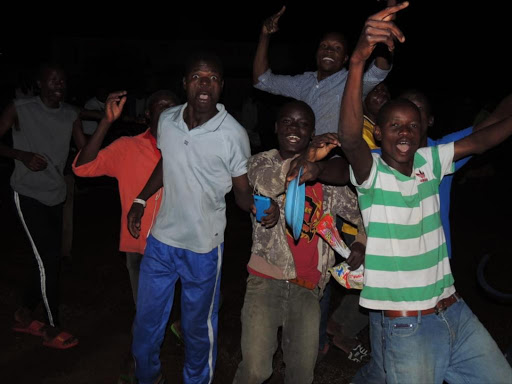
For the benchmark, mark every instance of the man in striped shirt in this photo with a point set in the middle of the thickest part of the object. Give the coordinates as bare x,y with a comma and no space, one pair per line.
429,333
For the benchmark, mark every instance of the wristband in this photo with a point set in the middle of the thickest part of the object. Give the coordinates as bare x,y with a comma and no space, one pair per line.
140,201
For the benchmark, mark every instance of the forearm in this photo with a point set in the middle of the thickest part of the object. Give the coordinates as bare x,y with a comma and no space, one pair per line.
243,192
11,153
90,114
260,63
351,112
93,145
483,140
155,182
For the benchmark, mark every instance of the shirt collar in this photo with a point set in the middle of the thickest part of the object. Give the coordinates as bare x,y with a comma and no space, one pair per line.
149,136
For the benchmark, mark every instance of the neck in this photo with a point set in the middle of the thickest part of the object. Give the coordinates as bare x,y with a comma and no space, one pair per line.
153,129
194,118
49,103
403,168
285,155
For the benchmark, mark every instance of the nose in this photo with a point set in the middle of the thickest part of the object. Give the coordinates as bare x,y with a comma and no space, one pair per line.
204,80
405,131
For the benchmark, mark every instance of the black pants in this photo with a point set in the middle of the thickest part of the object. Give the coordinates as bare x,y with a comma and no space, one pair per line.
43,226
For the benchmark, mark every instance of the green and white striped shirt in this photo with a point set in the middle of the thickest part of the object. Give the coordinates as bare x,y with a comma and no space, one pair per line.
406,265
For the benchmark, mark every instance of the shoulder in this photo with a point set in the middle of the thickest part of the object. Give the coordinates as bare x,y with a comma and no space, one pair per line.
172,115
264,157
25,102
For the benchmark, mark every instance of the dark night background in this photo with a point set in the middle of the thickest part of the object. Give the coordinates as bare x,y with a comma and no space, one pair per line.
457,52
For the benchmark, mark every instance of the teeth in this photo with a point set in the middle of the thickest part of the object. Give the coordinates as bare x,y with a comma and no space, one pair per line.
328,59
293,139
203,97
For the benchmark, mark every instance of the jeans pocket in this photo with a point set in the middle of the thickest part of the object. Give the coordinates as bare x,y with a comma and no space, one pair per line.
403,326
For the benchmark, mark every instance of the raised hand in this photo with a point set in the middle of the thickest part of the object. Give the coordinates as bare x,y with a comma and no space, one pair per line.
321,145
270,25
114,105
379,28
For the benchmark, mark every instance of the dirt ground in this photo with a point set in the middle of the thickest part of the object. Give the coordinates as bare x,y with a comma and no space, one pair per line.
97,305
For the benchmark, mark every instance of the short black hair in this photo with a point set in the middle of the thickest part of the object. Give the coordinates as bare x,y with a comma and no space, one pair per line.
386,108
46,66
204,56
421,96
298,104
155,97
341,37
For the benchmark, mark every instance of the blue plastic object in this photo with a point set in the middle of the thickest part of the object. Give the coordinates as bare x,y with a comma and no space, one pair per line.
261,203
295,204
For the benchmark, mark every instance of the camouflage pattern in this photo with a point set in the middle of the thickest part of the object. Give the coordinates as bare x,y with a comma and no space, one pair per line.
267,174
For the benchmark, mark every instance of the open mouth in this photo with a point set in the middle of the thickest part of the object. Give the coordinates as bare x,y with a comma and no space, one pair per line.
204,97
293,139
328,59
404,146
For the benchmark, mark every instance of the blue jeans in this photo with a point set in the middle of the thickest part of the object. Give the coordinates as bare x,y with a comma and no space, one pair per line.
452,346
199,273
373,372
268,305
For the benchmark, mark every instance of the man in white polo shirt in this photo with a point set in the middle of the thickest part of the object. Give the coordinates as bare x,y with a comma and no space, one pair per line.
204,155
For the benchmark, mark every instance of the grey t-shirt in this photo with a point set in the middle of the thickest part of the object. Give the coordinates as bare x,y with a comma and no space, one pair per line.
45,131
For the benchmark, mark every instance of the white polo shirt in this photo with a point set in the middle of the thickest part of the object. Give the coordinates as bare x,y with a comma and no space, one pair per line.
198,166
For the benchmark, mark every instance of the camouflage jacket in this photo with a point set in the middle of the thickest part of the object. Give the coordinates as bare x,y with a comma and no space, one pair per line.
267,174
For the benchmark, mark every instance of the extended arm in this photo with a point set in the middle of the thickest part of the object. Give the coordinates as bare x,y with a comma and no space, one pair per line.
484,139
260,63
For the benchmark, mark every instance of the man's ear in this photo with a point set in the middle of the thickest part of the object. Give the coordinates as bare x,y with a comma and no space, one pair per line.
184,83
147,115
38,82
345,60
431,121
377,133
275,128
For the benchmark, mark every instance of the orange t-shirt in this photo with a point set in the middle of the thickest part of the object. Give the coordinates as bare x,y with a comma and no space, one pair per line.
131,160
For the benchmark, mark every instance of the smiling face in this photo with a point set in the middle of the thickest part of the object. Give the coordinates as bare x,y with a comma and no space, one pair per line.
203,85
331,55
399,131
295,126
52,83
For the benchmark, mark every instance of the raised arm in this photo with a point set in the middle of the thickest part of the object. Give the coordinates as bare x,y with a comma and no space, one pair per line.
155,182
260,64
113,109
383,59
33,161
377,29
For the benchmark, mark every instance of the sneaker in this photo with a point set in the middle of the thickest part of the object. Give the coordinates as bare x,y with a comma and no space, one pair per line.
176,330
358,353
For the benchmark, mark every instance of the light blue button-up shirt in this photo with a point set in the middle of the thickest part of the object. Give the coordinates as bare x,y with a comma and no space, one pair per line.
324,96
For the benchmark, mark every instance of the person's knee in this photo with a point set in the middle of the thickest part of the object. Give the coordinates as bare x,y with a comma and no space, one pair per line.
253,372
